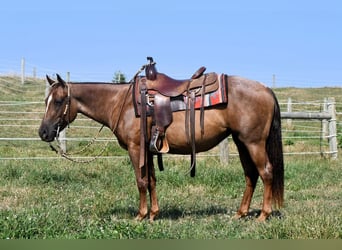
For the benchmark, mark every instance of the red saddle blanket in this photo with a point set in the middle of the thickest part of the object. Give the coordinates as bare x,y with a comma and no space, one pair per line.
216,97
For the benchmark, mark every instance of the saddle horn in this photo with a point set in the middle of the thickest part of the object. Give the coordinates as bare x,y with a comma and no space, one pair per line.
150,69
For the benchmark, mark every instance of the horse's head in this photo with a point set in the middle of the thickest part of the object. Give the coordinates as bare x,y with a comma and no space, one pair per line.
59,111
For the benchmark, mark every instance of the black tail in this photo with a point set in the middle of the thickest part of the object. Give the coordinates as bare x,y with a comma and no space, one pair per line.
274,149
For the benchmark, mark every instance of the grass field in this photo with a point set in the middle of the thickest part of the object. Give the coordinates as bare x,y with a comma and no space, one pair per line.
55,198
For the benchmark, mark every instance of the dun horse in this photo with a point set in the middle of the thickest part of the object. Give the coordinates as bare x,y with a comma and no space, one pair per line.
252,117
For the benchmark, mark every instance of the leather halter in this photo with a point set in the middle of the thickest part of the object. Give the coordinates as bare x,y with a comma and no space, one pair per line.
66,112
67,106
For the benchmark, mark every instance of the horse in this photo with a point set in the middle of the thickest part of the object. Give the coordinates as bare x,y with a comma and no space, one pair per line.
251,117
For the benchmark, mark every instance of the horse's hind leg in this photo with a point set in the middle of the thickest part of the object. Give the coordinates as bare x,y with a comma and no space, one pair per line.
251,177
259,156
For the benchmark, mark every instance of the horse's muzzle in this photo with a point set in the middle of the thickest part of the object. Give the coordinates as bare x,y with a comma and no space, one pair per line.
47,133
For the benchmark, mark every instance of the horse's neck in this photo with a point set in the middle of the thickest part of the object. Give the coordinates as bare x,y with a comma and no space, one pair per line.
98,101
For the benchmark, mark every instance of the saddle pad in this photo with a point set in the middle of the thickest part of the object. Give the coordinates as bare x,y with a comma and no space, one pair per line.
216,97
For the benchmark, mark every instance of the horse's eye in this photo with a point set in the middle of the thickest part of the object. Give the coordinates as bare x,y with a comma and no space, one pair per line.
58,102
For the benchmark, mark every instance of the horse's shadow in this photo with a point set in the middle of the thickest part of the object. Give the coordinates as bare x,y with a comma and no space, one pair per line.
176,213
173,213
254,213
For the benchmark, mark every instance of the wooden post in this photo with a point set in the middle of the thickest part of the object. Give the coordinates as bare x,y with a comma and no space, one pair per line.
332,128
325,121
22,70
273,81
47,88
224,151
34,73
289,109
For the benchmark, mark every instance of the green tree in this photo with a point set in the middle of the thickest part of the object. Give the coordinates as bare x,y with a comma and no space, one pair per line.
119,77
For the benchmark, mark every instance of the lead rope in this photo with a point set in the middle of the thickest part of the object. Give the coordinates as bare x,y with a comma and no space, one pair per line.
71,157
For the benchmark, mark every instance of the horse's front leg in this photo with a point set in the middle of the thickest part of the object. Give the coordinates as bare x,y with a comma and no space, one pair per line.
141,181
152,188
142,176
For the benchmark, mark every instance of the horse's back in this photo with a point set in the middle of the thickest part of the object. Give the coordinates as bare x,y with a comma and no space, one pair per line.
245,90
250,106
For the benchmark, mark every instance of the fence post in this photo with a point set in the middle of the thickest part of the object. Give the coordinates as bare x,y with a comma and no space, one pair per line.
22,70
224,151
325,121
34,73
47,88
332,128
289,109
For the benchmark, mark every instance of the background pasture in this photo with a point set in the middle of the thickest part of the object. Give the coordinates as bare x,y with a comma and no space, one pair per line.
44,196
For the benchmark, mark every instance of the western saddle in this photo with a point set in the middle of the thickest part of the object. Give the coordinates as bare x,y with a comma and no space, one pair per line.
158,95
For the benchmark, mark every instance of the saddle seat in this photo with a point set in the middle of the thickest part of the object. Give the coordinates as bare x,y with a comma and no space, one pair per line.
170,87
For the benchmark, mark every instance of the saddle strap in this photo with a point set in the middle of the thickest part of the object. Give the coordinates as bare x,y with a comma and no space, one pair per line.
143,130
202,107
192,132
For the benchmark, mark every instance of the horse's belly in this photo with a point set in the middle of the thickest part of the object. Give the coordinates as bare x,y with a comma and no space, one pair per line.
181,144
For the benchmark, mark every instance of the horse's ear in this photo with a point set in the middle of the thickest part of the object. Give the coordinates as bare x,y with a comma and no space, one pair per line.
60,80
50,81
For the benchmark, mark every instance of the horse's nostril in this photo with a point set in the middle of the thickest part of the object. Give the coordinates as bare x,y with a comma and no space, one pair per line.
43,133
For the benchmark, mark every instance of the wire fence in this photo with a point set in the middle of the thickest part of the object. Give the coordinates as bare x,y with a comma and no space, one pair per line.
22,108
300,137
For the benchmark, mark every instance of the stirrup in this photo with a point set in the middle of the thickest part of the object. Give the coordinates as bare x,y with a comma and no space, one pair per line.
158,143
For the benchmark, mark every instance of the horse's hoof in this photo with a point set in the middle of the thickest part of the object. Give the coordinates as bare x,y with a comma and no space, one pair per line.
239,215
153,215
262,217
139,217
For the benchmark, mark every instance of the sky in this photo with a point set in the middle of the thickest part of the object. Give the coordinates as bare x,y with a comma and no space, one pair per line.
280,43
